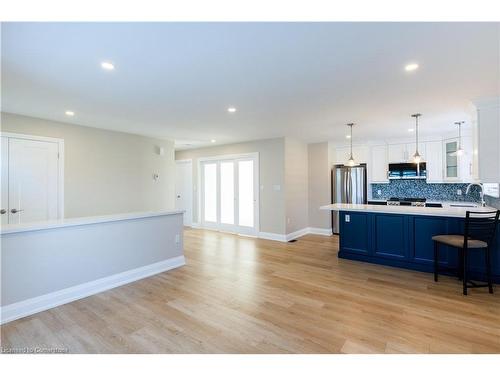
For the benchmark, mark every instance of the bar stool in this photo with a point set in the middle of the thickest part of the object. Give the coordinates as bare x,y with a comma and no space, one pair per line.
479,233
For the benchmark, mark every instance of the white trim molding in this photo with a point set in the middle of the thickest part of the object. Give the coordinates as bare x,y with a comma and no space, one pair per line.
292,236
47,301
320,231
272,236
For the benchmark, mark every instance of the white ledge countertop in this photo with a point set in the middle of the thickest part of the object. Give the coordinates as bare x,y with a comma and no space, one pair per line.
446,210
72,222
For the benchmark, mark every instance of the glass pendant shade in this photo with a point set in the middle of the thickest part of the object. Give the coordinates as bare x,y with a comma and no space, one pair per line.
460,151
417,158
351,162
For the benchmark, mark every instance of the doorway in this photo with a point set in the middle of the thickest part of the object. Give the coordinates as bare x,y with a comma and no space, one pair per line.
184,189
32,178
229,194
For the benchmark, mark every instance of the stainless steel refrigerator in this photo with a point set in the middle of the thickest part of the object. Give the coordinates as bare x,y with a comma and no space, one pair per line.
348,186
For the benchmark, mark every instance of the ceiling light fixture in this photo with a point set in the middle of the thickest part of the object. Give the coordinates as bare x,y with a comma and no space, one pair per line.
411,67
348,136
460,151
106,65
351,162
416,157
411,130
231,109
69,113
213,140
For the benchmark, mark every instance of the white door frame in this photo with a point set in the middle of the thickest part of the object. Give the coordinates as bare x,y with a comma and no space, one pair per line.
252,155
60,164
190,162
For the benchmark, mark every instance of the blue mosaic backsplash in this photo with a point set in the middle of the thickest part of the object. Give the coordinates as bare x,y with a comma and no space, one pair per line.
492,202
421,189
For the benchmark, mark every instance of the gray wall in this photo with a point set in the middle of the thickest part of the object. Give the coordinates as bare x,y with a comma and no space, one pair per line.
319,185
106,172
271,173
45,261
296,185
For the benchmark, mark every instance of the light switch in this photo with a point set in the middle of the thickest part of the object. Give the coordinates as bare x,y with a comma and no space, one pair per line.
347,218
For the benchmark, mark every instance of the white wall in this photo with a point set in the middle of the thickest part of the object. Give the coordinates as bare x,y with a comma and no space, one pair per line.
106,172
296,185
271,173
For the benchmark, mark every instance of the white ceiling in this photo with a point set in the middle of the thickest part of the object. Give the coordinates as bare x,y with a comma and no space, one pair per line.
304,80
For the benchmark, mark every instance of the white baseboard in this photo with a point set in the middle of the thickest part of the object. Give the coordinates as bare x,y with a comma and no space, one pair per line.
294,235
195,225
297,234
320,231
47,301
272,236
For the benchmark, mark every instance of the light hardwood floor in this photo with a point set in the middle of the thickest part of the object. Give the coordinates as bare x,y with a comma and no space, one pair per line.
243,295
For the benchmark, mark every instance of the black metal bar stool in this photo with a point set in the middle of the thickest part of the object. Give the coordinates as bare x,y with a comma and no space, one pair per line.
479,233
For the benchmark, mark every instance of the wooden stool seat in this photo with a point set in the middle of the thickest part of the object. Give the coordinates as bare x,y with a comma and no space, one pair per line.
457,240
479,231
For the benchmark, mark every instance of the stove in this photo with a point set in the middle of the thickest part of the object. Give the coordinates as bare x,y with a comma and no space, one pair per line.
414,202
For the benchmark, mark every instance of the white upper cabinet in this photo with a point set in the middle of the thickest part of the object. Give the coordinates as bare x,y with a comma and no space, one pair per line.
488,121
378,165
403,152
434,161
396,153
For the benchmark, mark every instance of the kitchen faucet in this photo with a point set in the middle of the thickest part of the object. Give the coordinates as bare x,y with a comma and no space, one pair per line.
481,193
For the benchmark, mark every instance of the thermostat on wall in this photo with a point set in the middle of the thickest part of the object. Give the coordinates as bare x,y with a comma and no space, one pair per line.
491,189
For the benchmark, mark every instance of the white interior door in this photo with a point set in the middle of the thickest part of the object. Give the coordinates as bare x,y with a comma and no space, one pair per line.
5,178
229,194
184,189
33,180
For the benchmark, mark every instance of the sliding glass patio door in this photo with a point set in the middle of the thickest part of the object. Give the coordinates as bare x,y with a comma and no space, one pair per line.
229,194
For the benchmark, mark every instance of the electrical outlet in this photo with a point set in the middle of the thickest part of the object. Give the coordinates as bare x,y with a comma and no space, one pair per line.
459,192
347,218
288,220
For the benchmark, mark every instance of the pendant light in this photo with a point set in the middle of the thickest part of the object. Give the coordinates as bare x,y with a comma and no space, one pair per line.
416,157
351,162
460,151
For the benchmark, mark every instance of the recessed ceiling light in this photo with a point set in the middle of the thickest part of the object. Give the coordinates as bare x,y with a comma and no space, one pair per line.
231,109
69,113
348,136
411,67
411,130
213,140
106,65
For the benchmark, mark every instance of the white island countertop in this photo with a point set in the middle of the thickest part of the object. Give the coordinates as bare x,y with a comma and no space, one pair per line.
447,210
51,224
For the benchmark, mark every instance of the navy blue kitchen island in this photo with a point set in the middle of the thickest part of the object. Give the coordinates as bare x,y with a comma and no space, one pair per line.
402,237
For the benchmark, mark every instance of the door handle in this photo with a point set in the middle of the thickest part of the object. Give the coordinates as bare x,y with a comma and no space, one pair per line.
3,211
15,211
178,196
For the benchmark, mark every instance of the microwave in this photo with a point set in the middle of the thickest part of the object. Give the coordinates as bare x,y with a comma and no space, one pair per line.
401,171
